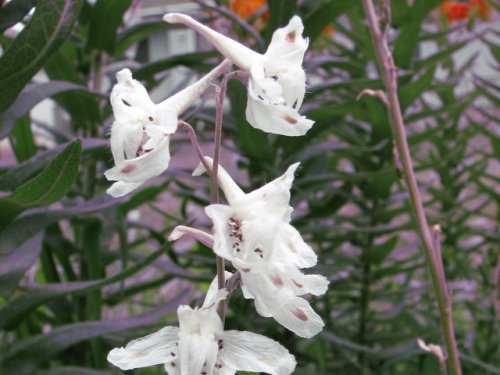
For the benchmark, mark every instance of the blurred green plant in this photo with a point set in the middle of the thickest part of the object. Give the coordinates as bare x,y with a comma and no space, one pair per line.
79,273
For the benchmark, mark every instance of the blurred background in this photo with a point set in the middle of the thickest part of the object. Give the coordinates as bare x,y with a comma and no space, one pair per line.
82,272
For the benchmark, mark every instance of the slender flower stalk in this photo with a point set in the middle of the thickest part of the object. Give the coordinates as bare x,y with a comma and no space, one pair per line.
214,187
389,76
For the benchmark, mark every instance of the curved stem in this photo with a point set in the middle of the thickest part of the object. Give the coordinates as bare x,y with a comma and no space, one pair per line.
194,142
432,253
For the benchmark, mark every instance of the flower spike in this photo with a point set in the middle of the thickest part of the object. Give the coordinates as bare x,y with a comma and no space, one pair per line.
140,134
276,87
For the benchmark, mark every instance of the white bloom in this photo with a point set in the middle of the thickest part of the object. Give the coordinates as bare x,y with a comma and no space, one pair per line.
277,81
201,346
254,233
140,134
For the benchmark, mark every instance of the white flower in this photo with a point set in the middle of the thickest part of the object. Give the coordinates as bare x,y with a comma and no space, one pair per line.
201,346
277,81
140,134
254,233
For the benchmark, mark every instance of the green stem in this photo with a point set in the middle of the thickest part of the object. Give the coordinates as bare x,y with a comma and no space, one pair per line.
389,76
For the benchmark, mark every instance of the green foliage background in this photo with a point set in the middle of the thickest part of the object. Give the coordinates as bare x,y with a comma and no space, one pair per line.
79,274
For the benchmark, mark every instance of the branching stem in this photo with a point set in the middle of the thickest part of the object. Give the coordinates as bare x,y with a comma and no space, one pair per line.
432,252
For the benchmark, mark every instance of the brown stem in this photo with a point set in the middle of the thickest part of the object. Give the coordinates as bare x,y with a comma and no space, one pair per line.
214,187
389,76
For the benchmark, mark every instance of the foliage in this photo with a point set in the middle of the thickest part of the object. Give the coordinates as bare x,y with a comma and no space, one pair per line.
79,274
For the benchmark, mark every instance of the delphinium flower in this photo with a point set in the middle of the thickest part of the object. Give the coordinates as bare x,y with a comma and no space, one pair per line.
140,134
276,85
254,232
201,346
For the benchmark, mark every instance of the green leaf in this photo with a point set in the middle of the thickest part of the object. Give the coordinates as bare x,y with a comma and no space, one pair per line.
324,14
377,254
13,266
19,358
107,16
46,188
30,224
19,174
22,141
16,310
13,12
50,26
29,97
65,65
135,34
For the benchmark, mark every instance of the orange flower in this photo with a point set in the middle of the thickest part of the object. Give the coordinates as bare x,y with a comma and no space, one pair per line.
455,11
247,8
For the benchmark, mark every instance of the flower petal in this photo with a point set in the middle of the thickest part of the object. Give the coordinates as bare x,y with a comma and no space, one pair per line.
220,215
231,190
183,99
150,350
214,294
203,237
274,298
287,45
121,188
196,352
139,169
303,284
274,118
239,54
248,351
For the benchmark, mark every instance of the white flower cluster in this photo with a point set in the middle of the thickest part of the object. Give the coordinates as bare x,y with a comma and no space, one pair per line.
252,231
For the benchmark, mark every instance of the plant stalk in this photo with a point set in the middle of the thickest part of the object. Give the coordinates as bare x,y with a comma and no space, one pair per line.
214,187
389,76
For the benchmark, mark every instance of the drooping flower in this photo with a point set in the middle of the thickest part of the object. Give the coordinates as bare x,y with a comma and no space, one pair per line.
140,134
201,346
254,233
276,86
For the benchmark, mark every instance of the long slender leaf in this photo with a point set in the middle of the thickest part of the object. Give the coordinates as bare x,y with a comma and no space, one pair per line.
50,26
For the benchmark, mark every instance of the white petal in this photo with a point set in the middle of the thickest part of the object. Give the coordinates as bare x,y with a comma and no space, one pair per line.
287,44
195,351
231,190
139,169
275,194
183,99
150,350
181,230
240,55
274,298
248,351
126,137
121,188
214,294
129,97
303,284
220,215
166,118
274,118
292,249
